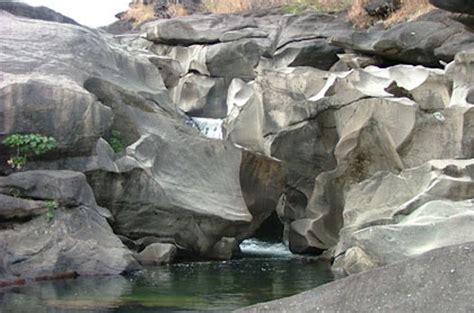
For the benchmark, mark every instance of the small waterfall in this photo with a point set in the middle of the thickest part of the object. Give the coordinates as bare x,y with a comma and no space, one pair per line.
210,127
257,247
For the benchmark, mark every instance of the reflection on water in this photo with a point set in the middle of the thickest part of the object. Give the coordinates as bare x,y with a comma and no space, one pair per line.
190,287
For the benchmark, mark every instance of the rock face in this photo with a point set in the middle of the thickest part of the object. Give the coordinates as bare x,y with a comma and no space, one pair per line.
346,133
381,227
333,130
425,41
75,238
407,286
196,208
351,156
169,181
458,6
37,13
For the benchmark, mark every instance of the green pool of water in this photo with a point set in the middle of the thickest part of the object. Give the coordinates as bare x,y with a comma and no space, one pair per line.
187,287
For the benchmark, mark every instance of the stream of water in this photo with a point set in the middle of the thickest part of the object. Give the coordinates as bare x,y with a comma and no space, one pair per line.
266,272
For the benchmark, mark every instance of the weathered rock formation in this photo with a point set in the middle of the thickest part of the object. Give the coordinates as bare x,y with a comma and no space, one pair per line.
382,227
171,182
157,254
353,157
333,130
428,40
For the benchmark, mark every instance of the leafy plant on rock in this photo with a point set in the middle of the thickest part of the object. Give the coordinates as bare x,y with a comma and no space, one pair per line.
52,206
116,141
27,145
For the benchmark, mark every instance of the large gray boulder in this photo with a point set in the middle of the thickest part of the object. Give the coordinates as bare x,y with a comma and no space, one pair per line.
389,217
221,191
157,254
438,281
208,29
40,241
67,187
424,41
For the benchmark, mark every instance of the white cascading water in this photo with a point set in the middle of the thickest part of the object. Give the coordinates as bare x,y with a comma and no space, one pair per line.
262,248
210,127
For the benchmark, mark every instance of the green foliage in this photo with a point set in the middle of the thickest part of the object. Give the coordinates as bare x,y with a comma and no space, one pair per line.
299,6
17,161
52,206
27,145
294,8
116,141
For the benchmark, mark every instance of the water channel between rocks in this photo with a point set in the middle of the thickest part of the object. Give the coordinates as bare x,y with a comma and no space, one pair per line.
266,272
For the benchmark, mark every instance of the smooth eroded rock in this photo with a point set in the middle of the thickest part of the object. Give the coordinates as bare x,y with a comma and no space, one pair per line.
157,254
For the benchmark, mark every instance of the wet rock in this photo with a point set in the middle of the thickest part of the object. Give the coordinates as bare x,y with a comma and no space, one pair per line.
224,249
157,254
144,242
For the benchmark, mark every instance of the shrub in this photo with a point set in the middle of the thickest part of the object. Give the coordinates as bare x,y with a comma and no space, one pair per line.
27,145
116,141
52,206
